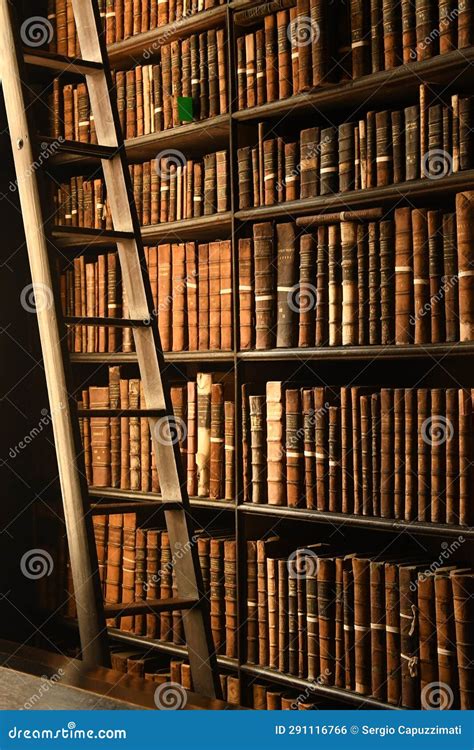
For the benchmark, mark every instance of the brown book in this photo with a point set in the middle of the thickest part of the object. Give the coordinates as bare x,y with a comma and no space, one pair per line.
191,471
225,258
400,455
428,655
465,456
246,294
410,455
437,432
335,285
283,632
403,276
424,455
165,296
203,297
257,443
114,403
273,612
322,288
438,284
216,482
275,444
378,647
244,162
387,284
191,284
347,479
203,454
135,441
229,450
422,275
153,546
307,291
446,635
307,404
252,590
322,452
214,296
129,565
334,456
326,609
463,598
349,283
392,614
360,28
230,597
464,215
264,285
451,301
392,34
284,55
366,453
286,285
309,163
465,18
348,614
100,438
452,457
361,571
294,448
113,581
178,316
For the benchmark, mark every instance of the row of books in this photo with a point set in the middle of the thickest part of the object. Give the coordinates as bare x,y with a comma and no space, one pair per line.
192,298
381,149
118,451
261,696
403,453
169,189
136,564
315,43
388,628
148,96
121,19
403,278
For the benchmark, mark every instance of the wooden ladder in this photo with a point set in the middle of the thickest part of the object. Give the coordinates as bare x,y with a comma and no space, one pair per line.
43,241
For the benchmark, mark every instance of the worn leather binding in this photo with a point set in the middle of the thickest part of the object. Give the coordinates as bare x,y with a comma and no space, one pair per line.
309,453
264,285
204,385
378,646
463,590
446,632
360,31
229,450
423,452
216,483
257,443
464,214
403,276
275,445
287,290
361,572
294,448
309,162
307,292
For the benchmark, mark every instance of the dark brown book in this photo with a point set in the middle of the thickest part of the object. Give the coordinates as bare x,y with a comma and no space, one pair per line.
378,646
322,287
335,291
309,163
307,403
252,591
203,297
403,276
465,216
275,444
446,636
428,655
216,464
349,283
100,438
438,284
463,598
257,443
264,285
451,301
392,33
246,294
424,454
437,432
307,292
294,448
229,450
465,456
287,289
361,572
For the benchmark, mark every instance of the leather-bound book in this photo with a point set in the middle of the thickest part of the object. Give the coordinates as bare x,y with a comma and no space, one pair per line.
217,593
245,177
271,57
366,453
269,170
335,291
257,182
339,680
326,617
164,295
230,597
446,634
398,146
261,94
309,163
250,70
320,43
222,70
451,301
216,488
374,281
465,457
246,455
131,103
229,450
246,294
273,618
291,177
375,443
392,34
434,433
347,480
424,455
292,623
113,307
264,285
399,450
360,28
100,524
426,610
410,455
408,31
346,156
257,444
463,600
251,612
128,567
210,184
264,548
203,454
294,448
362,324
392,615
139,108
221,180
307,291
465,20
403,276
191,472
241,74
438,284
287,275
191,285
312,622
212,75
295,49
134,427
412,145
284,55
361,571
61,27
214,296
307,403
203,79
100,438
113,579
275,444
452,456
114,403
203,297
425,23
334,456
321,444
387,286
178,402
153,545
124,438
178,316
225,250
371,150
383,155
409,636
349,283
166,589
465,243
322,287
378,645
328,161
348,615
282,623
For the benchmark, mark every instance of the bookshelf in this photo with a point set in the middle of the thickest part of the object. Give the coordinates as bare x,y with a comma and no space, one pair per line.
436,365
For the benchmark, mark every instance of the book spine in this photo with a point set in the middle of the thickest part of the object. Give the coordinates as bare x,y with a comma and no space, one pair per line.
286,285
464,215
275,445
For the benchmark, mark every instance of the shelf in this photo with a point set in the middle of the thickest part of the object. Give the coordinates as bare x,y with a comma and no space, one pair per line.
412,189
123,358
140,48
376,352
151,501
213,227
195,138
386,88
365,522
311,686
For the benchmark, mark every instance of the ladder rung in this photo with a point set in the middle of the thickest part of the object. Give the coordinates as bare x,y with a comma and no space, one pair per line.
106,509
61,63
75,236
113,322
153,606
81,149
122,413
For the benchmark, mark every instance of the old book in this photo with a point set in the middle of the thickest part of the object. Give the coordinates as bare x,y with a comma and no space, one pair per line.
410,455
400,455
437,287
423,454
465,454
230,597
349,283
334,457
322,287
335,290
329,181
191,468
392,34
229,450
258,454
360,27
378,648
403,276
366,453
346,157
464,215
203,297
100,438
321,429
436,432
252,589
307,291
216,481
309,436
463,598
387,283
264,285
451,514
134,430
347,479
392,614
113,580
287,259
361,572
282,624
178,291
214,296
309,162
203,454
128,566
275,444
446,634
451,300
273,612
191,291
294,448
428,655
348,615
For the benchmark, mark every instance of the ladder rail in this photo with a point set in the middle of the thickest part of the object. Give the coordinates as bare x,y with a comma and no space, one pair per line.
81,542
